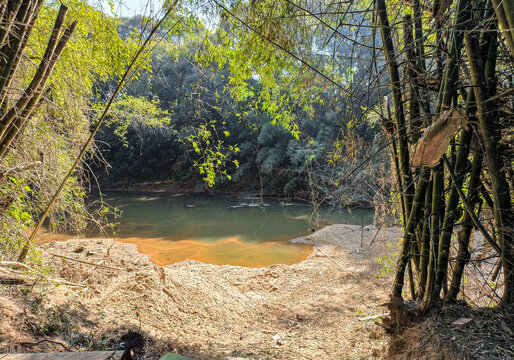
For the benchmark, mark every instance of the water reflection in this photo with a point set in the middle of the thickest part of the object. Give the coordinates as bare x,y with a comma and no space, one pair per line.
221,231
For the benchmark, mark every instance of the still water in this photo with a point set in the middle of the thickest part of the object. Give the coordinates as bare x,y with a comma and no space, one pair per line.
233,231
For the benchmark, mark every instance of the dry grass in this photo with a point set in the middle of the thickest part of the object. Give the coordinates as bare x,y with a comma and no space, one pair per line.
489,336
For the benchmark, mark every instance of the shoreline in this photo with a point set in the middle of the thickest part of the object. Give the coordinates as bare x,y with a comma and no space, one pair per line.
166,191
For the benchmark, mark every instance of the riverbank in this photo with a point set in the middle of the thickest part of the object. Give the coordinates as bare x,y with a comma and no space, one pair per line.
172,188
316,309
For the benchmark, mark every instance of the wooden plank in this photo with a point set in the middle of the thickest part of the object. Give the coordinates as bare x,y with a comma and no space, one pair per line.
90,355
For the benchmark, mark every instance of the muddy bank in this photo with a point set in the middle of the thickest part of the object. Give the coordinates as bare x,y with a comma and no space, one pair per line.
310,310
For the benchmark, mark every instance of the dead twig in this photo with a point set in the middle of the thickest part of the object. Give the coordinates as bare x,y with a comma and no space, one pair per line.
372,317
46,340
14,264
86,262
18,279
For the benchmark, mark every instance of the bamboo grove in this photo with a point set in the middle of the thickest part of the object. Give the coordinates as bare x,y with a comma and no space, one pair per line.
22,90
450,75
18,18
49,69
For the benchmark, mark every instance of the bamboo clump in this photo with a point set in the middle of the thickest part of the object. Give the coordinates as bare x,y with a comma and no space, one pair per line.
446,188
19,17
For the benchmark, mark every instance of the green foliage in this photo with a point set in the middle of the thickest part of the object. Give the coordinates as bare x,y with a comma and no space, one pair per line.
387,263
137,113
15,195
213,152
60,125
230,129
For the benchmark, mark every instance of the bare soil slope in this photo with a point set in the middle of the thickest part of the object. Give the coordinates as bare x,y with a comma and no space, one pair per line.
310,310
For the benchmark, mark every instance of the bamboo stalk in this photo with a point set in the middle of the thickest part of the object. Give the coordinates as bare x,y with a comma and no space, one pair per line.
490,131
508,9
414,120
22,117
469,208
38,78
399,115
409,233
425,243
412,285
488,54
435,230
420,50
390,130
464,234
502,19
448,87
450,215
15,45
10,10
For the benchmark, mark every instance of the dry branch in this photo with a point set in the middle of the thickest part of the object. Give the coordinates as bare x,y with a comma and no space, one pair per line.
18,279
14,264
86,262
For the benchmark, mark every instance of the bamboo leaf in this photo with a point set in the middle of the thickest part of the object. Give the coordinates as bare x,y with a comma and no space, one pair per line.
433,144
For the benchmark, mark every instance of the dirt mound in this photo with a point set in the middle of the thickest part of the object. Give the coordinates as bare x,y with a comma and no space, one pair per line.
310,310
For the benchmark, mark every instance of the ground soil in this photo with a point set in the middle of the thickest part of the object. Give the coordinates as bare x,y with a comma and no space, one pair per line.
489,335
310,310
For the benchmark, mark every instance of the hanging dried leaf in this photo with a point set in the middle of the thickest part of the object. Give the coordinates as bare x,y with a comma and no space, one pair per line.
434,142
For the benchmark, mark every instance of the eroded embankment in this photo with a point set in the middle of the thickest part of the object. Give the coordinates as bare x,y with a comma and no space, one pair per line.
309,310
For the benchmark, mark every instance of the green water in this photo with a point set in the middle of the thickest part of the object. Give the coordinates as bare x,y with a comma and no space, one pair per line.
222,230
211,219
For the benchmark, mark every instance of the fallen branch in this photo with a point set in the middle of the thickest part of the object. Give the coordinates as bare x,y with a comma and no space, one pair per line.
16,279
372,317
12,279
46,340
14,264
62,282
86,262
10,271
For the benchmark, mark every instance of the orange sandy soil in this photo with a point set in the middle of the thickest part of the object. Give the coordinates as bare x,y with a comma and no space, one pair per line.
309,310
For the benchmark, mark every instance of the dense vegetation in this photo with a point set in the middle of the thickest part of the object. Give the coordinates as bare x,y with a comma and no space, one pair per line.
43,139
470,181
188,99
